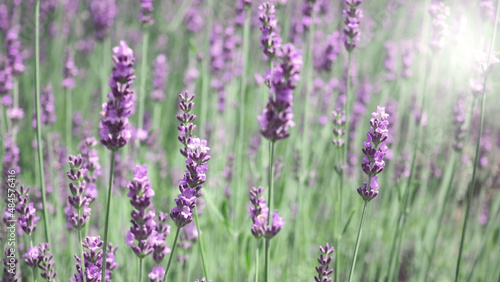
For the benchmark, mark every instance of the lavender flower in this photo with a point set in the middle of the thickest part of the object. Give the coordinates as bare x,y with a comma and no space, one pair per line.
270,39
32,256
259,215
114,127
46,262
276,118
193,17
439,13
143,228
157,274
6,82
159,78
459,123
338,128
111,263
9,266
325,57
13,47
146,16
92,260
352,16
103,14
241,5
162,230
80,214
48,110
27,212
308,8
324,260
69,70
374,151
90,162
407,56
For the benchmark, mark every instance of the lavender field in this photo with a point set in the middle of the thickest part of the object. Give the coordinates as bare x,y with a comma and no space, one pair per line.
250,140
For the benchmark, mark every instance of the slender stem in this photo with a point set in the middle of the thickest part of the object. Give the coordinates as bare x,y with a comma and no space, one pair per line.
441,214
478,145
171,254
140,270
270,205
38,120
202,249
108,207
257,261
339,226
353,264
81,250
142,85
104,70
69,109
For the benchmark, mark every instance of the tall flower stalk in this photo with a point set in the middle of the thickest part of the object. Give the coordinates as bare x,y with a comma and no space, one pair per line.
486,71
196,153
38,121
114,126
372,164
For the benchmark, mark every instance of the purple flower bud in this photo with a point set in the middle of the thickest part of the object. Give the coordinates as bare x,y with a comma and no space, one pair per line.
352,17
32,256
324,260
159,78
69,70
103,14
157,274
146,16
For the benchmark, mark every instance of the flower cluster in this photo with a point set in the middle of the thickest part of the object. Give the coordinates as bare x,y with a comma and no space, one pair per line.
111,263
32,256
146,16
103,14
143,228
325,57
27,211
193,17
6,82
196,153
407,56
92,259
159,78
374,151
114,127
352,16
439,13
459,123
156,274
45,262
240,7
47,107
69,70
270,39
324,260
90,162
338,128
160,246
308,8
9,261
259,213
13,47
276,118
80,214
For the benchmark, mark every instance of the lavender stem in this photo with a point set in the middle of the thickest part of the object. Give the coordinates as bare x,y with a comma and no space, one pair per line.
69,110
478,145
270,205
360,231
81,250
202,249
171,254
38,119
140,270
108,207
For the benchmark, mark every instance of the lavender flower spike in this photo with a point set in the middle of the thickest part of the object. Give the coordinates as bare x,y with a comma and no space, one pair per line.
374,151
270,39
352,16
159,78
114,127
143,228
69,70
324,260
146,16
259,215
276,118
157,274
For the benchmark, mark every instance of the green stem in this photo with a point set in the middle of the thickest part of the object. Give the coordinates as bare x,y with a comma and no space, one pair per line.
108,207
270,205
104,69
206,75
69,109
140,270
202,249
257,261
81,251
142,85
478,146
360,231
38,120
171,254
339,227
441,214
